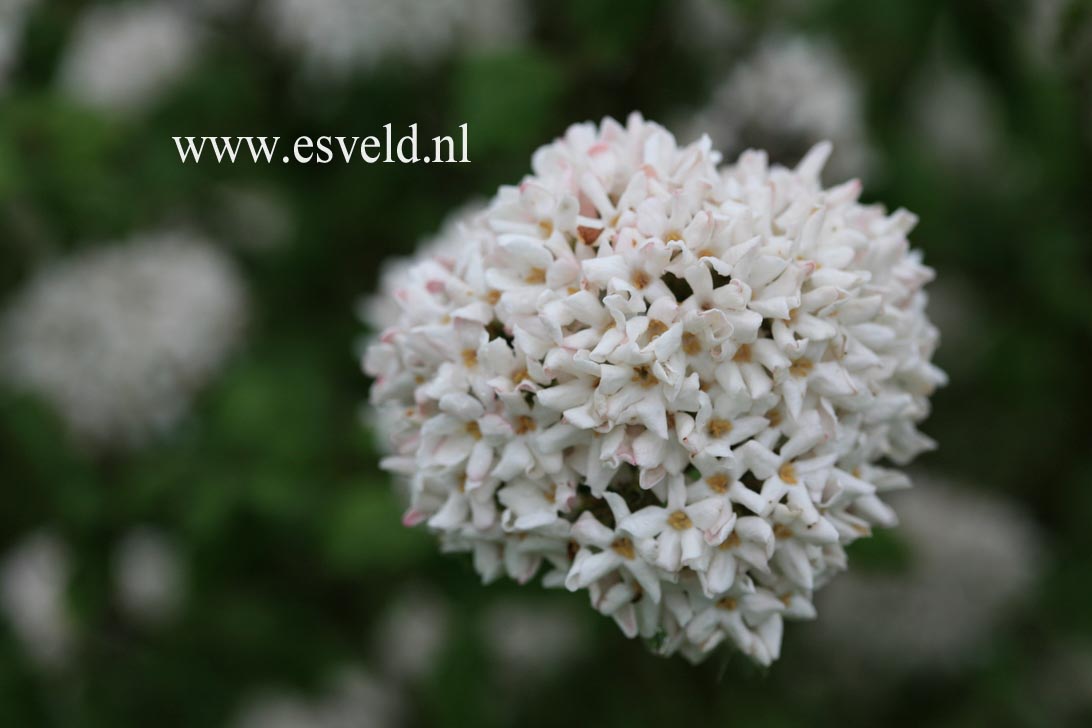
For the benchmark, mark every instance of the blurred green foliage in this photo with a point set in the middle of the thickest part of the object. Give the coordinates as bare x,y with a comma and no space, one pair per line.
291,534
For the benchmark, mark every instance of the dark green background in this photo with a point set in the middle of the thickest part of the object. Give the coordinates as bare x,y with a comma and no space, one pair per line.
290,533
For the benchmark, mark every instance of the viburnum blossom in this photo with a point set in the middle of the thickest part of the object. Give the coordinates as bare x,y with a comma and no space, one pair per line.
124,57
661,381
335,38
791,93
119,338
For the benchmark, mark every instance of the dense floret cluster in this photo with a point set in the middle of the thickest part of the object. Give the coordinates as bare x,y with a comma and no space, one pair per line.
118,339
665,383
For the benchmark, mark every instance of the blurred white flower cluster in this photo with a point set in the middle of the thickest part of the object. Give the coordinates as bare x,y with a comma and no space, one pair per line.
355,699
939,611
123,57
952,111
663,382
33,583
148,575
1055,33
117,339
13,14
714,27
337,37
412,634
530,641
791,94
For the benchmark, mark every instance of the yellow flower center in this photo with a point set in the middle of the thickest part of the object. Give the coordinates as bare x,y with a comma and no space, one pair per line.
801,367
624,548
719,428
718,483
731,542
679,521
643,375
655,328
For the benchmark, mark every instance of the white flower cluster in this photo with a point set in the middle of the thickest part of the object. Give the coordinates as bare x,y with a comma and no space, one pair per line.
412,634
666,383
789,95
354,699
530,640
117,339
13,16
710,26
936,612
123,57
338,37
33,583
953,113
148,576
381,309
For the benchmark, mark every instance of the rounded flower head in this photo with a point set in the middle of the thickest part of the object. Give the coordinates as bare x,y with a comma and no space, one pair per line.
118,339
148,575
34,579
790,94
123,57
662,382
336,38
